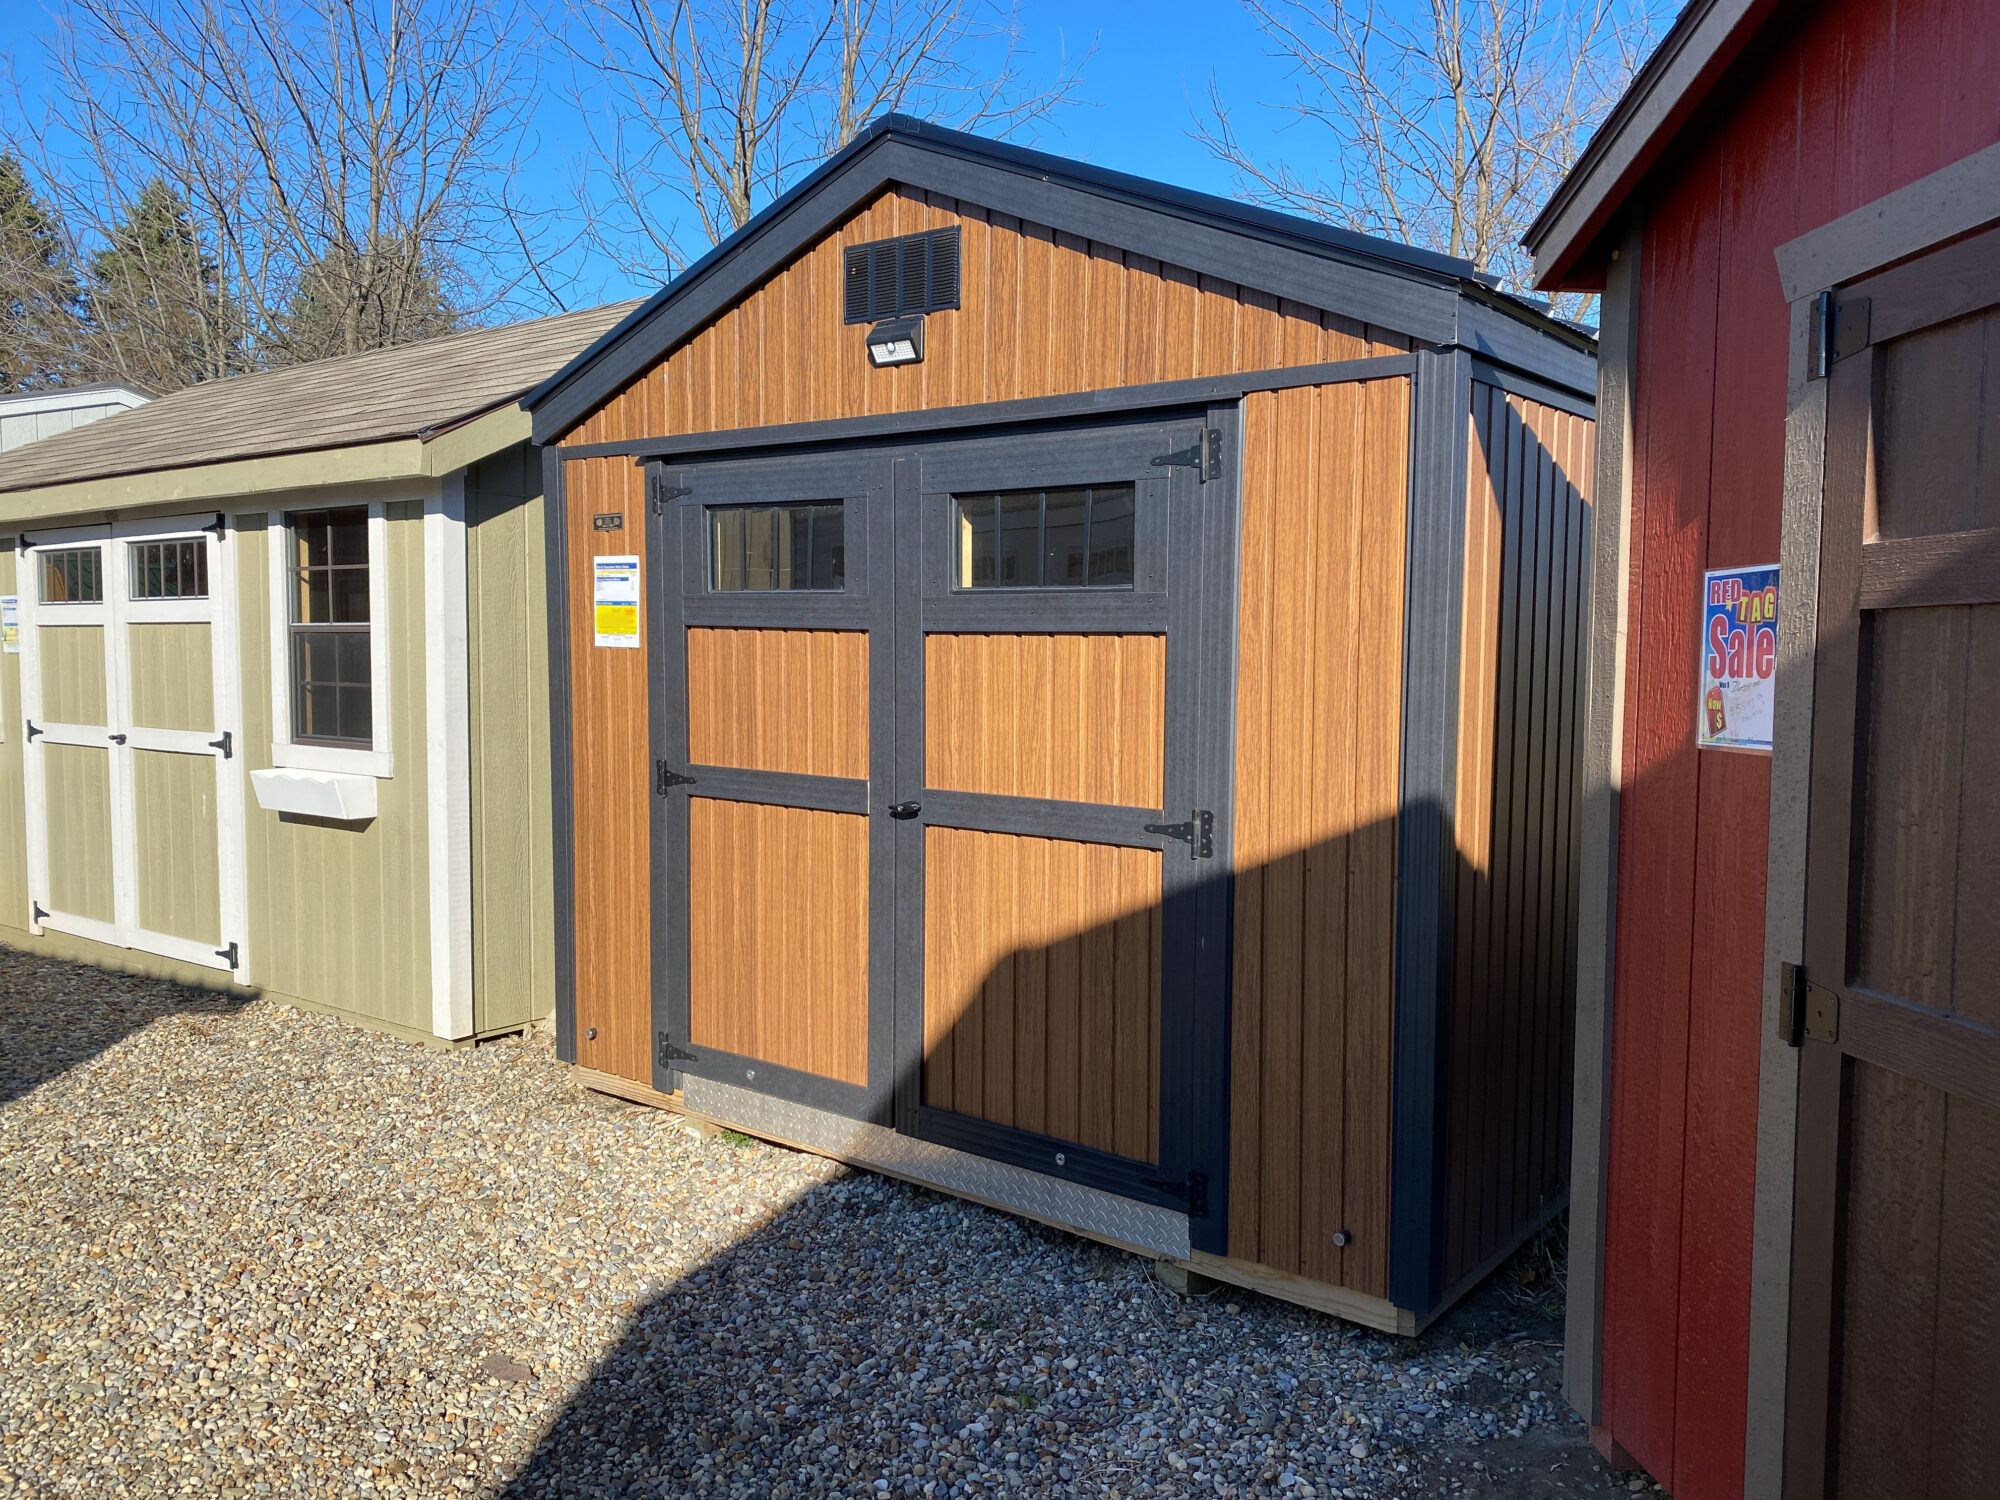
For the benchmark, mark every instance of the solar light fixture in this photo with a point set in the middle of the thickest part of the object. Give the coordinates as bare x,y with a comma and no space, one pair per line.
896,341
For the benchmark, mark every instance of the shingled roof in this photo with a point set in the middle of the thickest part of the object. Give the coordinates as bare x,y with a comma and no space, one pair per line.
409,391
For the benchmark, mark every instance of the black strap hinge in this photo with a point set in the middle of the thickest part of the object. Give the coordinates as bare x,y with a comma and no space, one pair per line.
1807,1012
665,494
1839,331
220,526
670,1054
32,730
1203,455
36,908
223,744
665,779
1198,833
1191,1190
228,954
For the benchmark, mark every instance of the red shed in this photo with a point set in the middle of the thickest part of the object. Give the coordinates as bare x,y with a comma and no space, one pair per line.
1785,1271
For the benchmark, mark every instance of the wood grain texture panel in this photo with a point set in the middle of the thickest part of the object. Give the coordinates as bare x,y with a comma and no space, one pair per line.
779,700
1042,986
778,935
1080,718
1520,684
610,789
73,683
1319,709
1041,314
77,779
172,676
179,874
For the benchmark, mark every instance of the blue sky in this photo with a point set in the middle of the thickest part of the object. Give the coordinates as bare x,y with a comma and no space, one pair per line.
1133,109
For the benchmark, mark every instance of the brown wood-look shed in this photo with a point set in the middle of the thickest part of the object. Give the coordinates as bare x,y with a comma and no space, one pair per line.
1093,728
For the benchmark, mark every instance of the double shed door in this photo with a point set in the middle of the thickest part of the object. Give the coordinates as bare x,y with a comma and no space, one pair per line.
1895,1336
129,699
936,838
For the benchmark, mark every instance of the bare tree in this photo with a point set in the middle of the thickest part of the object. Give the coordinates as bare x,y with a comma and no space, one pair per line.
1446,125
345,166
718,105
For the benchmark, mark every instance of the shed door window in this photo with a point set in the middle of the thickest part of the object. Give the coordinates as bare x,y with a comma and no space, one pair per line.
331,690
1037,539
762,548
74,575
175,569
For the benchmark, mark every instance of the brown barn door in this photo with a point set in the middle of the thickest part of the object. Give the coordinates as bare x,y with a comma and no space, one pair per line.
1895,1342
774,867
1059,806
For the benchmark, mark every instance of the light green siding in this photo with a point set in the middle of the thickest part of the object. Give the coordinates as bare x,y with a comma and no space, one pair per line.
339,912
173,676
78,781
513,886
72,673
173,812
13,787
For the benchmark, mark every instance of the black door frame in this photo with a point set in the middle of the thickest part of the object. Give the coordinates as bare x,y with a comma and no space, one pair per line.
1197,609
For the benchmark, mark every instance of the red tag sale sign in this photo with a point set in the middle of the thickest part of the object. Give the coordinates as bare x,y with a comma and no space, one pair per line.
1739,658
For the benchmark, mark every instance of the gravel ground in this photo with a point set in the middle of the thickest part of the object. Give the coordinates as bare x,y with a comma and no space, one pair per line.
249,1251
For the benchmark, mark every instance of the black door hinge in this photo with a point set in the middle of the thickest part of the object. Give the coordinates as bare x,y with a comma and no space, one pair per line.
36,908
670,1054
220,526
665,779
1839,331
665,494
1807,1012
222,744
228,953
1203,455
1198,833
1191,1190
32,730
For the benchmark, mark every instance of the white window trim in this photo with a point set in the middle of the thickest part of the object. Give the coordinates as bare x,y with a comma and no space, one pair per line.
448,760
379,760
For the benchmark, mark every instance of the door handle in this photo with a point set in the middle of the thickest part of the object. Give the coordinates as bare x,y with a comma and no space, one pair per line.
117,739
905,809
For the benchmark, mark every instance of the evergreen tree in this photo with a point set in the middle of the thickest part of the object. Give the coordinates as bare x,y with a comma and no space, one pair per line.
160,314
352,300
41,305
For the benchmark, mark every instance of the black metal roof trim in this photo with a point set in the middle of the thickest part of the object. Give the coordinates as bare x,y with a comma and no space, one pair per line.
1397,286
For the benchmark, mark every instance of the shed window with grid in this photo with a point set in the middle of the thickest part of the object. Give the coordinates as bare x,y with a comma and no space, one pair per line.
332,697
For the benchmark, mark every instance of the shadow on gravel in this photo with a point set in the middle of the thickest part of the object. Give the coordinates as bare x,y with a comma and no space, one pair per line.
47,1028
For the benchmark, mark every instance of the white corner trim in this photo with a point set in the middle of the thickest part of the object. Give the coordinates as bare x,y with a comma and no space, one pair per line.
379,759
448,760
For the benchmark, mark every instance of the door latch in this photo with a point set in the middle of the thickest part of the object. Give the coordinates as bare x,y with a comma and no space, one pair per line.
1203,455
116,739
1198,833
1191,1190
1807,1012
905,810
666,779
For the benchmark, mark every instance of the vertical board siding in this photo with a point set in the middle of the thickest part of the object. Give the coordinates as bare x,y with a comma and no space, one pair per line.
1041,314
1042,986
73,690
778,935
339,913
1855,100
179,876
1318,728
1527,550
1080,718
779,700
507,649
609,786
77,779
172,675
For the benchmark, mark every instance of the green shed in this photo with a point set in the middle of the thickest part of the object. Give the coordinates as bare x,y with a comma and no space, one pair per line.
274,690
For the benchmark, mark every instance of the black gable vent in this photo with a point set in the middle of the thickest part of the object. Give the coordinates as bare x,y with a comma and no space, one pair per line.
913,273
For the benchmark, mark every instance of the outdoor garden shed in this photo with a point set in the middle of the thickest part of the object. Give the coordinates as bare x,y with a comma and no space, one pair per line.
275,690
1785,1240
1064,692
